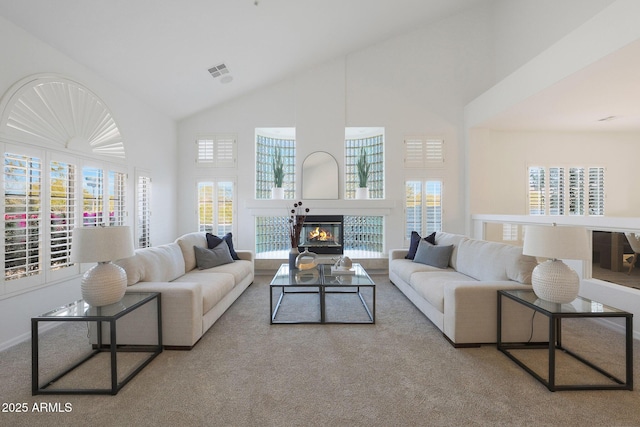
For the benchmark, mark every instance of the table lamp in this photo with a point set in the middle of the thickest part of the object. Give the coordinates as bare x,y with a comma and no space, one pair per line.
553,280
104,283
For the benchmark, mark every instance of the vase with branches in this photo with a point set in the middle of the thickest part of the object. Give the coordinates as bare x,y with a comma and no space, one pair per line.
296,221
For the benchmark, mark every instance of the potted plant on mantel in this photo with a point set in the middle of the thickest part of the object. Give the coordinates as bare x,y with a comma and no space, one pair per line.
363,168
277,164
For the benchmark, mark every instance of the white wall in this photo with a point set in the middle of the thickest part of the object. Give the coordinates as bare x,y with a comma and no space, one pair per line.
525,28
499,162
415,83
149,139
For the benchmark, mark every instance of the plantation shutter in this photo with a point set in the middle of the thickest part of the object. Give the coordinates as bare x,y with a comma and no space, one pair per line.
225,146
205,206
205,151
143,220
413,208
433,206
596,191
576,191
23,212
117,198
556,191
536,191
420,151
217,150
63,202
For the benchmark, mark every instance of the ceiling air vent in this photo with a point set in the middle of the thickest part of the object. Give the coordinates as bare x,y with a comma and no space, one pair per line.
221,71
218,70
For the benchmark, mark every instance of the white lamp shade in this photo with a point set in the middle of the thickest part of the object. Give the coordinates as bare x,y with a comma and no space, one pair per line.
101,244
556,242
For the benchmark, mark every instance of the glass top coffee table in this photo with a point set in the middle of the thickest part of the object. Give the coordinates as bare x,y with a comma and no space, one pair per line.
319,296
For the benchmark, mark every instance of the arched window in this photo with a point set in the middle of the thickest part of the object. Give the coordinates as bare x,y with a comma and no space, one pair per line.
63,167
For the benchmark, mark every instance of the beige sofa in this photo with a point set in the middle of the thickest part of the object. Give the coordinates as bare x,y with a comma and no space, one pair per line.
461,299
192,299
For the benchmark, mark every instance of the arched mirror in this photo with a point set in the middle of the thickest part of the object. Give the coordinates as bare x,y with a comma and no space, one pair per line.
320,176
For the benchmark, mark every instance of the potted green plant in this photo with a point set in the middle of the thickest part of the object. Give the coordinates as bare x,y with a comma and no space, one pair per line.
363,167
277,165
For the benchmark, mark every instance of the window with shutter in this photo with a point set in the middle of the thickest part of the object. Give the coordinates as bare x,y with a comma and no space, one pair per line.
556,191
217,150
421,151
143,214
596,191
215,206
576,191
423,207
510,232
117,193
566,193
22,215
537,191
62,201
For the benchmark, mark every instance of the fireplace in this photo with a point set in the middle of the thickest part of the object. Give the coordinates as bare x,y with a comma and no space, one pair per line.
322,234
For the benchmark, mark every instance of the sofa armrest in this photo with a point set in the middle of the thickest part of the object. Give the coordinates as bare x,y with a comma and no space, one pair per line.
181,310
471,313
397,253
246,255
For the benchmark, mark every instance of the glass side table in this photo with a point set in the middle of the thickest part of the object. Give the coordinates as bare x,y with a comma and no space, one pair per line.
80,311
579,308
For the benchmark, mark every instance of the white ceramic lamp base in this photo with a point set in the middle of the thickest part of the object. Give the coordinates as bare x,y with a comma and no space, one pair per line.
104,284
555,281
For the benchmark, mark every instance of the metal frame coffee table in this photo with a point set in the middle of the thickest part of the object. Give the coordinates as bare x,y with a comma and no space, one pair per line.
321,282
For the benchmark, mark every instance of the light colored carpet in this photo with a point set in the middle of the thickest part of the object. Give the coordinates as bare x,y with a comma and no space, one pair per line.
398,372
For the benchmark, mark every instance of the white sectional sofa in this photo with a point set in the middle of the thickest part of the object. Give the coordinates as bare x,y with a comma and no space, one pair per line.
461,299
192,299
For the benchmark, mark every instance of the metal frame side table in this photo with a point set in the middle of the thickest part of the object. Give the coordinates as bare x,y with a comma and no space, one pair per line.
80,311
579,308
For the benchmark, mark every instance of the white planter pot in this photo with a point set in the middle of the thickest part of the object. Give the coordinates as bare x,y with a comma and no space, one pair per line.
362,193
277,193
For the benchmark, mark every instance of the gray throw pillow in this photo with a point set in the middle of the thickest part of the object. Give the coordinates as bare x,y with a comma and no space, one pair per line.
436,256
209,258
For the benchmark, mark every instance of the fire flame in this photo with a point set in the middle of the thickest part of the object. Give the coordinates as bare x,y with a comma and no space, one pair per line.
319,234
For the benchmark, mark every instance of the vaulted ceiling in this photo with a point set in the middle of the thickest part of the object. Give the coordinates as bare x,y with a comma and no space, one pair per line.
161,51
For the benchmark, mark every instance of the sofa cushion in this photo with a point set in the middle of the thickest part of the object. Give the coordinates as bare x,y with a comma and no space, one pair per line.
161,263
238,269
404,268
187,242
209,258
415,240
214,286
431,285
484,260
437,256
213,241
445,239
